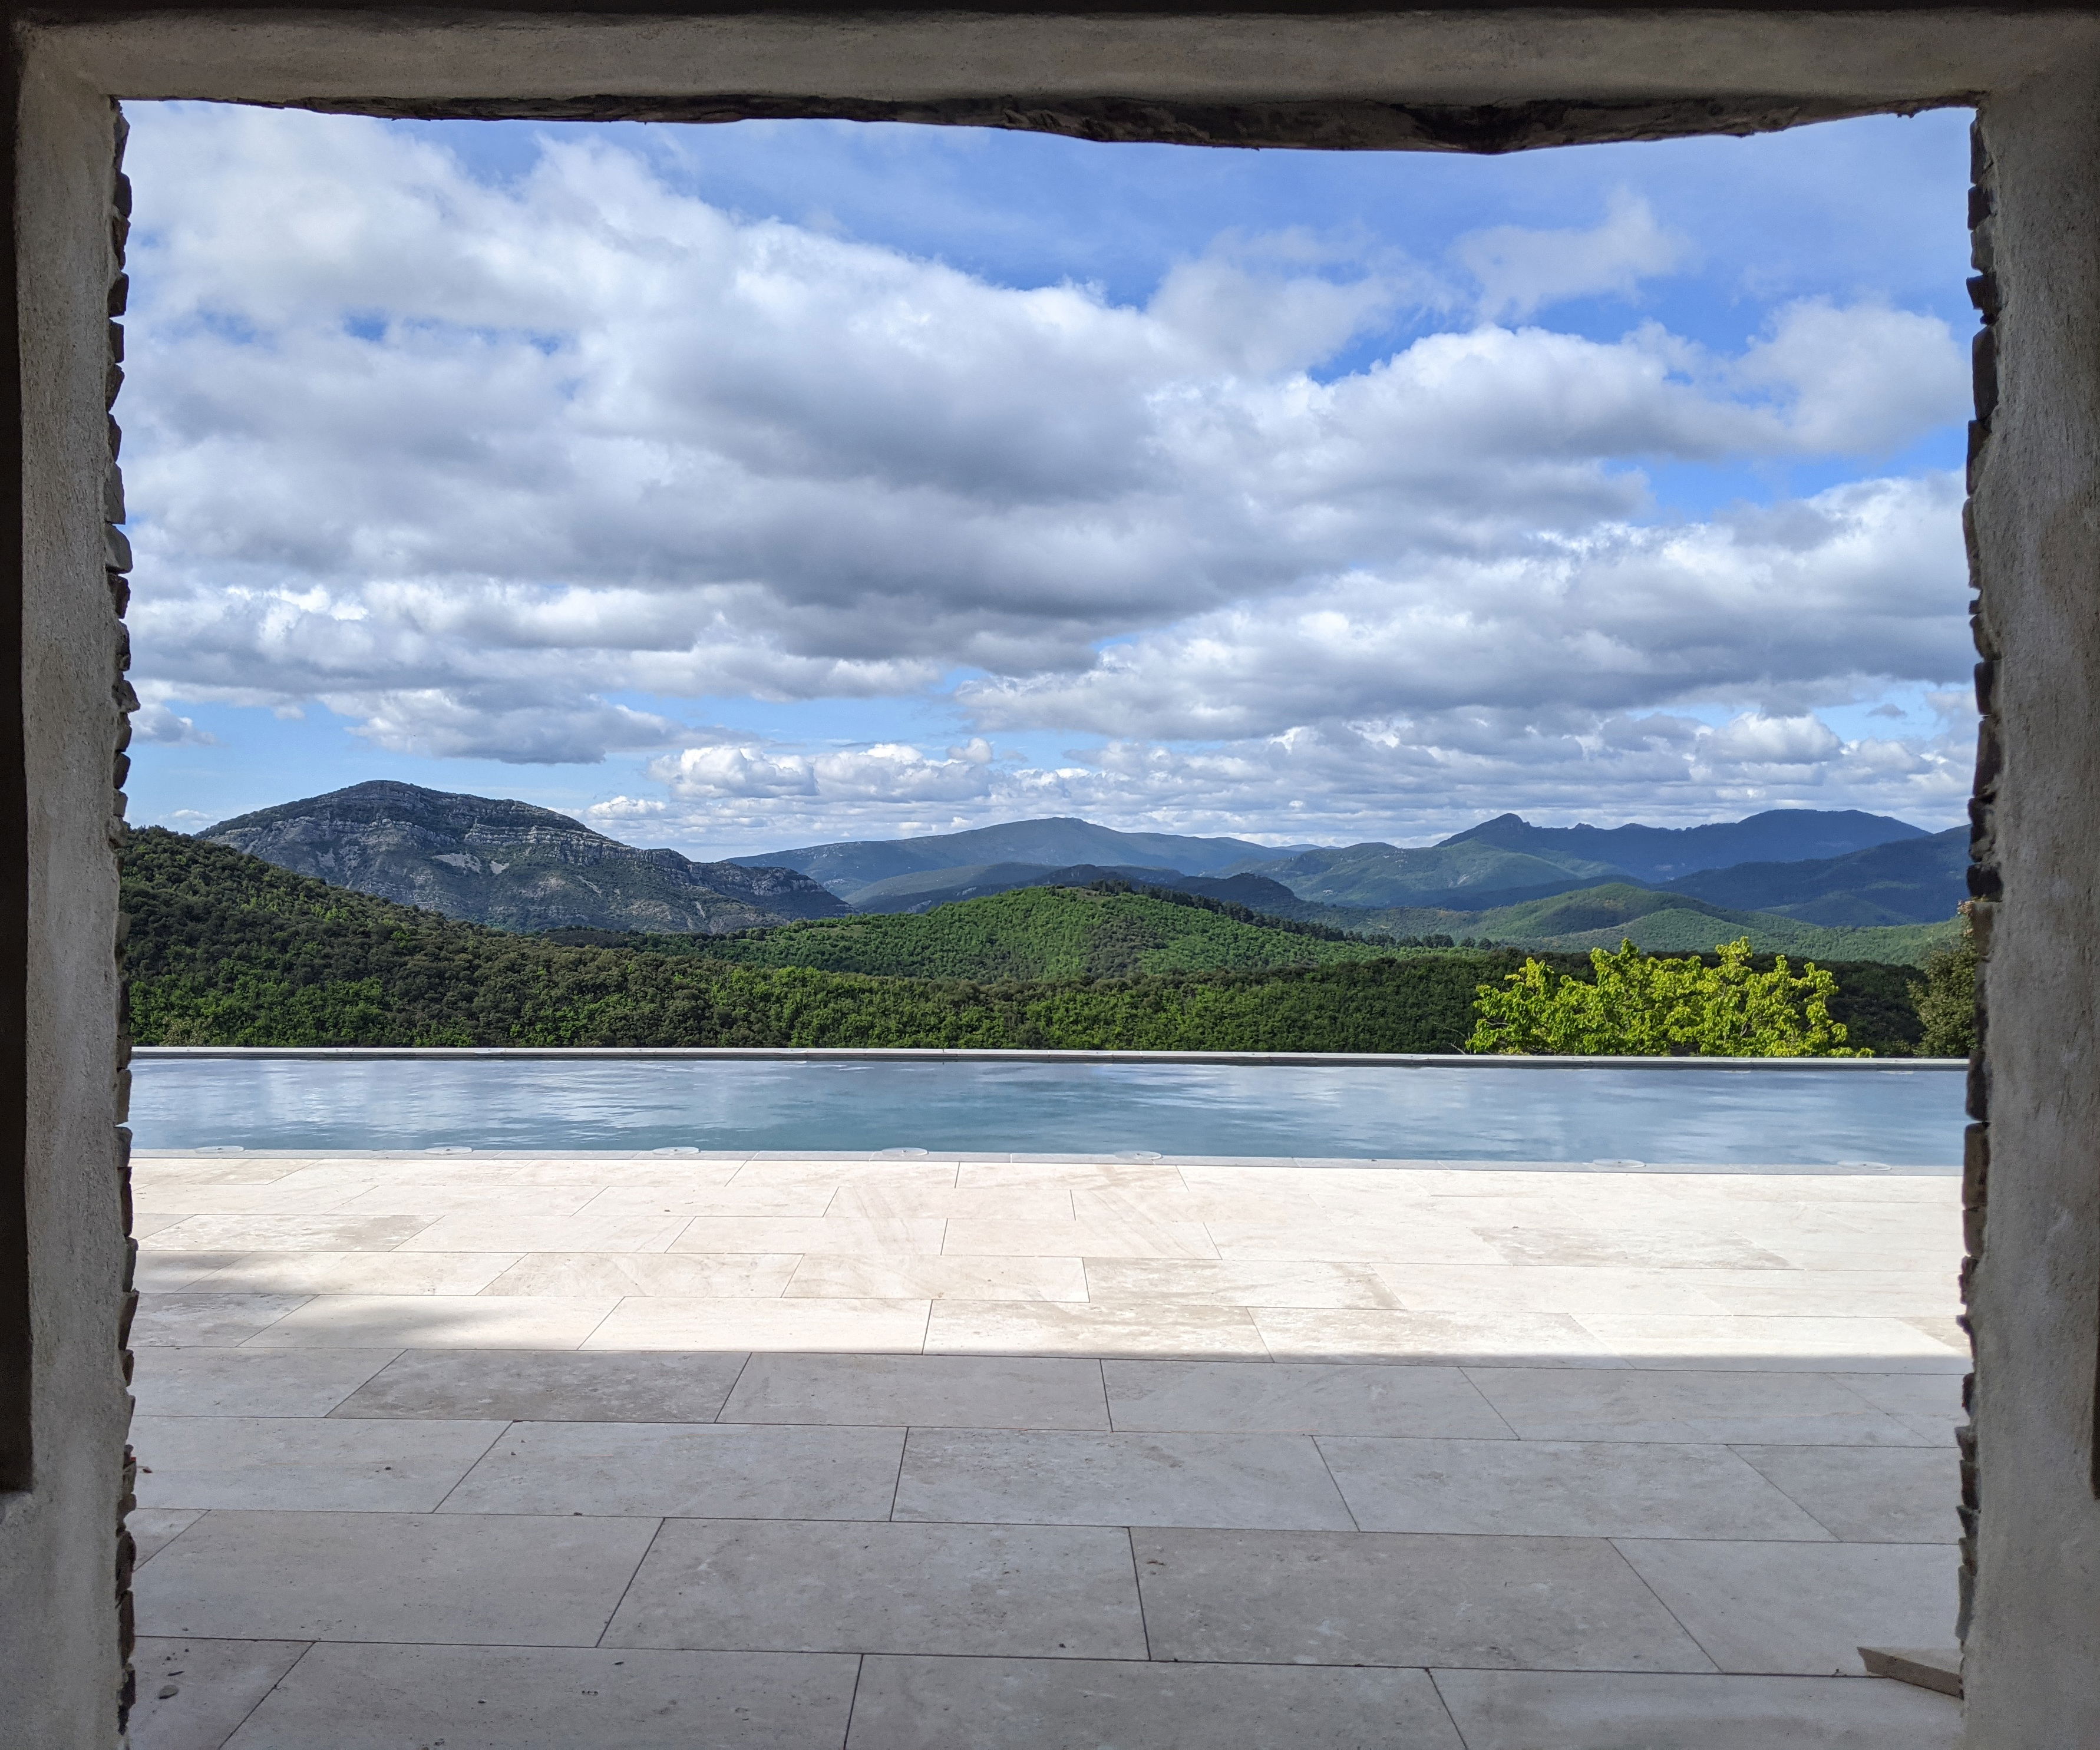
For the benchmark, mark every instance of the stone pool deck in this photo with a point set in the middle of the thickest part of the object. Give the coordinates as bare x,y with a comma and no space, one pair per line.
627,1453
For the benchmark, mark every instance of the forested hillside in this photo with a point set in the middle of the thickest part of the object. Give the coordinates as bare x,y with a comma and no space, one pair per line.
1106,930
226,949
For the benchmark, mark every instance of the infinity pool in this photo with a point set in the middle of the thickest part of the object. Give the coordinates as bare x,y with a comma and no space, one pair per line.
1860,1120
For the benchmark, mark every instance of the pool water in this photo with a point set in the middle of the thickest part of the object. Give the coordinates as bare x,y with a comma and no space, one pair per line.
1798,1119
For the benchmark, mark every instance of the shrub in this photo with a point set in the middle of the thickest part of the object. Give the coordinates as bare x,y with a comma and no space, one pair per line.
1640,1005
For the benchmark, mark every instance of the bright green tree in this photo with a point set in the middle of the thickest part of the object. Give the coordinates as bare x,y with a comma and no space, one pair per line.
1640,1005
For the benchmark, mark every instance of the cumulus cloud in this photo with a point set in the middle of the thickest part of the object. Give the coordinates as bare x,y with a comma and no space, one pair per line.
1403,779
157,724
1522,270
1859,584
887,772
470,461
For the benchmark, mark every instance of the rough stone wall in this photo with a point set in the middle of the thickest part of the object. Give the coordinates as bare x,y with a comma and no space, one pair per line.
115,565
2031,1523
64,1566
1985,884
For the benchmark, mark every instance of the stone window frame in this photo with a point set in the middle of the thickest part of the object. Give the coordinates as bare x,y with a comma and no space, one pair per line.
1445,75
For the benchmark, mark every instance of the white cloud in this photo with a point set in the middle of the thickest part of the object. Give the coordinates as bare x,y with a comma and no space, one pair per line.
1861,584
1862,380
887,772
1521,271
159,724
470,462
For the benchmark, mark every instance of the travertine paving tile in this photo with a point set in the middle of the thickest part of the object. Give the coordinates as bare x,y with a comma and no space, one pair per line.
151,1167
1073,1478
435,1322
1101,1237
1043,1327
297,1233
1293,1397
145,1223
1827,1293
685,1470
386,1698
171,1273
1866,1494
1944,1329
1554,1710
509,1385
303,1461
935,1391
1486,1337
358,1273
1547,1240
153,1529
1551,1488
1930,1404
1686,1406
1068,1175
875,1201
1801,1608
207,1382
478,1194
676,1322
1546,1288
1281,1283
518,1234
1159,1204
1376,1598
1052,1592
621,1200
900,1176
596,1173
1354,1238
822,1233
691,1275
1655,1340
283,1197
893,1275
187,1319
974,1704
459,1579
192,1693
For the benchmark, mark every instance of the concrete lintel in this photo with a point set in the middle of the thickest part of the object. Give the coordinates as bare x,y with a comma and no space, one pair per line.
1467,77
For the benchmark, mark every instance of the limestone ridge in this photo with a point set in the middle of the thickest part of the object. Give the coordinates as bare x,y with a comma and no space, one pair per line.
512,866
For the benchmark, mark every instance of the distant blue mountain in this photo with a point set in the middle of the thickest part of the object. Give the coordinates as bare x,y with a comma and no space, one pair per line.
1664,853
1912,881
1057,842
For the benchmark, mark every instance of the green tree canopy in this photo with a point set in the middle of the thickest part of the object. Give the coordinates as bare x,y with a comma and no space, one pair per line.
1640,1005
1947,1000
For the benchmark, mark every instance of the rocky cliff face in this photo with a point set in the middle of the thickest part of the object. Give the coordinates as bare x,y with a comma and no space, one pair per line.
512,866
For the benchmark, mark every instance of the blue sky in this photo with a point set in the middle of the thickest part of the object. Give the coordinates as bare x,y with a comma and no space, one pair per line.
739,487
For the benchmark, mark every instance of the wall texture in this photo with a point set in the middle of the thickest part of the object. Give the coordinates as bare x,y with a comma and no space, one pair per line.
2032,1664
62,1575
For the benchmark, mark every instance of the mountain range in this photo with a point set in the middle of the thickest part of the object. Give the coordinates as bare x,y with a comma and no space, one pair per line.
513,865
1841,868
1785,876
1057,841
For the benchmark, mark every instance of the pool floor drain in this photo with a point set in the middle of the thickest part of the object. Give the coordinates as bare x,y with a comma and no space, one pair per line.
449,1149
900,1154
1138,1154
674,1150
